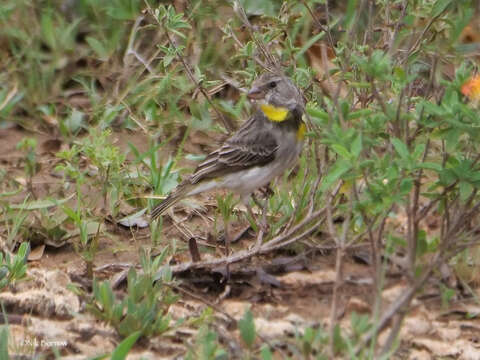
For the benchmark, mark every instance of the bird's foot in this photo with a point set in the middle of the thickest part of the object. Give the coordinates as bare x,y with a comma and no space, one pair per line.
266,191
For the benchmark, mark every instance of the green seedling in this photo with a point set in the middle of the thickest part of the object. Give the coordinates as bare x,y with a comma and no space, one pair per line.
13,268
145,304
29,146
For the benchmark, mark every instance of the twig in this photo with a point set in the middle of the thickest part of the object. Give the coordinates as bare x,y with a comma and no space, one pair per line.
338,260
325,29
272,61
204,301
135,120
10,95
397,26
307,232
131,51
273,244
263,224
401,302
419,39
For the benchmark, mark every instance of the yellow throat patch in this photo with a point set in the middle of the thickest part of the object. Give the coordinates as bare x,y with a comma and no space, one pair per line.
301,131
274,113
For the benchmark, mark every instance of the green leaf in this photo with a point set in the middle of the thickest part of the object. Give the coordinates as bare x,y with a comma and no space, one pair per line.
309,44
259,8
246,326
406,185
98,47
23,252
360,113
4,343
337,170
466,190
422,244
350,12
74,122
357,146
341,150
419,150
122,350
400,73
319,116
439,7
48,30
40,204
400,147
431,166
460,23
265,353
338,340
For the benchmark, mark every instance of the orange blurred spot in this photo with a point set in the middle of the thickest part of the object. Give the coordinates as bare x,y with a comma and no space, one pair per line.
472,88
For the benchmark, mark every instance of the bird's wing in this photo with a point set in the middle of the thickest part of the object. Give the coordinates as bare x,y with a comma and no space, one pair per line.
252,145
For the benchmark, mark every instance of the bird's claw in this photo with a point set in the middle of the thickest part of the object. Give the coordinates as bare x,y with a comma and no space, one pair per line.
266,191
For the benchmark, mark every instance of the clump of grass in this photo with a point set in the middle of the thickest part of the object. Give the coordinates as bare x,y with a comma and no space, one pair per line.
145,304
13,267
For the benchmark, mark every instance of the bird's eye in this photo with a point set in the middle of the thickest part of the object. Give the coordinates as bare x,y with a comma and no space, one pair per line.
272,85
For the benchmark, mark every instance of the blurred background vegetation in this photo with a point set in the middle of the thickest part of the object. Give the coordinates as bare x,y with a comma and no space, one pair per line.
74,64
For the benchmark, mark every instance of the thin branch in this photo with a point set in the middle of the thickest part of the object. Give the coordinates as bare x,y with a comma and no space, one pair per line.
273,244
397,26
402,302
226,122
272,61
420,38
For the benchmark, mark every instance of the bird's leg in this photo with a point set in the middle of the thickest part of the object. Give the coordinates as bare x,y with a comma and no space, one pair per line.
267,191
258,202
250,213
262,224
246,201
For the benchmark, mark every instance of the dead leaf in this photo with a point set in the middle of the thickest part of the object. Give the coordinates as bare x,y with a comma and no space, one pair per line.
235,308
436,347
135,220
21,180
51,145
319,277
393,293
449,333
470,352
466,310
321,58
460,349
36,253
419,355
357,305
50,120
274,329
415,326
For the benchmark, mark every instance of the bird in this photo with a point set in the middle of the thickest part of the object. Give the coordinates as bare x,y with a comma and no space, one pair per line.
263,148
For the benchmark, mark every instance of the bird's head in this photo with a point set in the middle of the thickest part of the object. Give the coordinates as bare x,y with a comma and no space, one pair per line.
277,96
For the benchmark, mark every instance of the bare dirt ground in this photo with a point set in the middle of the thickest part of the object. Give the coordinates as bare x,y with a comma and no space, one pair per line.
287,290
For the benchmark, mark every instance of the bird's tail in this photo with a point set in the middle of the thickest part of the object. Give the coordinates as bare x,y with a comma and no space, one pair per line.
178,194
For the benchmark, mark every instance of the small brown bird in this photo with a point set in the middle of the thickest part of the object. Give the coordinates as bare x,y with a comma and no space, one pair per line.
266,145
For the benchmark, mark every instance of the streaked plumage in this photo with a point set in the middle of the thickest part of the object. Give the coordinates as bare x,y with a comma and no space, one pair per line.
267,144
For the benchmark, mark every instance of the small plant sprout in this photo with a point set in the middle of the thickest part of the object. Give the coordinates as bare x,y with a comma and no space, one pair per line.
29,146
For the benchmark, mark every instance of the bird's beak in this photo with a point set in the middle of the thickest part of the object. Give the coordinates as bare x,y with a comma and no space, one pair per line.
255,93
